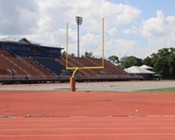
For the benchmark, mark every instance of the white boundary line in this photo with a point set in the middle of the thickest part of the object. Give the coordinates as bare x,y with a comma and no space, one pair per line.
96,128
81,135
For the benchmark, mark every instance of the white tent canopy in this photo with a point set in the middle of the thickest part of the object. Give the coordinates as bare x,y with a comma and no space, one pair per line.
146,67
138,70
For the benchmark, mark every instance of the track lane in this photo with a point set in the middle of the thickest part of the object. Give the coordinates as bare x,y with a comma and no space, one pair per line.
83,116
88,128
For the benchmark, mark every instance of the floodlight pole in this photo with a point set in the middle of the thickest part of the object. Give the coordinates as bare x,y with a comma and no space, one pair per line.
79,21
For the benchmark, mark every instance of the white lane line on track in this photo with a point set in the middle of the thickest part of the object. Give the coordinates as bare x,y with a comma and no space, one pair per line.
89,128
81,135
91,122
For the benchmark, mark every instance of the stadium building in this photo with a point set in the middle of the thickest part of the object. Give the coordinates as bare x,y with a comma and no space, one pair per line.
25,62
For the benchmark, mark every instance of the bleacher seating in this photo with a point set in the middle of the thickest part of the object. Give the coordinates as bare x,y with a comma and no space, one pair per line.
14,67
9,68
110,71
24,61
38,68
18,68
50,63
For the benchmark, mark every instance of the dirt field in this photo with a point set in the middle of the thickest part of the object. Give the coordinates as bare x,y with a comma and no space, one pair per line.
39,114
100,86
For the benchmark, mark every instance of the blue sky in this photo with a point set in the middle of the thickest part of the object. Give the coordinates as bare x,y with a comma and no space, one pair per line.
132,27
149,7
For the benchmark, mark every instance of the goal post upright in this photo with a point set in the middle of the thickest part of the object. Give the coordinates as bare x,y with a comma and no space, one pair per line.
76,68
67,41
103,43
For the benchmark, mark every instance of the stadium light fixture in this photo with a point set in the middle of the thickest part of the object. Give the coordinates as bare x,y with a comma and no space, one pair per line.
79,21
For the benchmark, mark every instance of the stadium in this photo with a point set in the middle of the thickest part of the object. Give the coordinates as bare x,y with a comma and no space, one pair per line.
47,92
36,101
25,62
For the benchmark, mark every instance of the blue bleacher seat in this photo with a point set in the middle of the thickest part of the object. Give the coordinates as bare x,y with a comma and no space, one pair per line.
51,64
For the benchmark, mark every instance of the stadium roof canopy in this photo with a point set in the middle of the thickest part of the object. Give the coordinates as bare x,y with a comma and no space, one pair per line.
20,41
25,41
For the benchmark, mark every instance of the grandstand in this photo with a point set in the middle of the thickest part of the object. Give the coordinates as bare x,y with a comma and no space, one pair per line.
25,62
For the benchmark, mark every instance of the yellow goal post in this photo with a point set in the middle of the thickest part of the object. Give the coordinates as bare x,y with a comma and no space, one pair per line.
75,68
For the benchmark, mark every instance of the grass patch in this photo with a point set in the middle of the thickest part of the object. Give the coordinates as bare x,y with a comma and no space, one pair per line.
169,90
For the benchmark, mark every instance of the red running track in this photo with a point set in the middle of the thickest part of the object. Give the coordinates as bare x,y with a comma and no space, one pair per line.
29,115
85,128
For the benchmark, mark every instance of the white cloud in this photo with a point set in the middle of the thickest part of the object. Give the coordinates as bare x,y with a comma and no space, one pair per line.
159,31
120,47
18,17
112,32
125,43
55,14
119,13
91,43
155,26
159,26
44,21
132,30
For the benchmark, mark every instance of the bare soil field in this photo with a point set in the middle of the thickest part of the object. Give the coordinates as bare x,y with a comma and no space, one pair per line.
99,86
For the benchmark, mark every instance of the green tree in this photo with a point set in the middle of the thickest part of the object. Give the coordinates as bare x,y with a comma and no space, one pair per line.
72,54
64,54
147,61
128,61
88,55
171,62
114,59
164,62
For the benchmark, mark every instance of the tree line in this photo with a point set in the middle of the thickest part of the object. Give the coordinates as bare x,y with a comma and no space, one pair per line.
163,62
